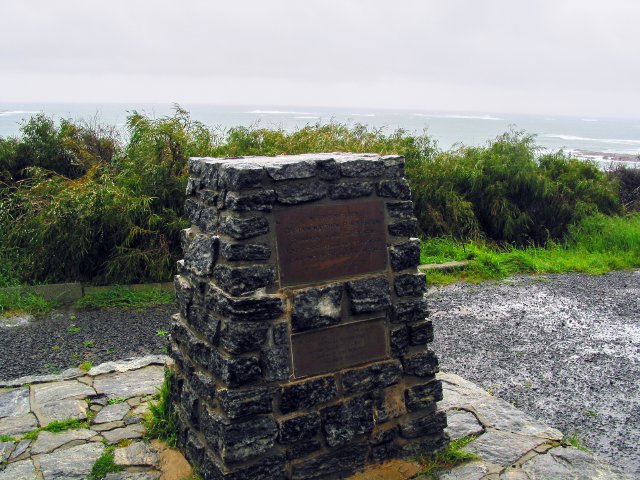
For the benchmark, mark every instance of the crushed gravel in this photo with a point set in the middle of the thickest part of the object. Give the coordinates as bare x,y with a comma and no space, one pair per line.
563,348
57,341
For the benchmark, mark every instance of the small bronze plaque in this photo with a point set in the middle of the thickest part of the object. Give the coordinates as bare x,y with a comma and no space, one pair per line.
335,348
323,242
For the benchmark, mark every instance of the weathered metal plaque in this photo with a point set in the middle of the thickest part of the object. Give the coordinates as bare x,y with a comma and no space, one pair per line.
335,348
323,242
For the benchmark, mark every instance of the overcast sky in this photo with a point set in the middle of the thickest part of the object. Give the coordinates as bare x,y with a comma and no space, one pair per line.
577,57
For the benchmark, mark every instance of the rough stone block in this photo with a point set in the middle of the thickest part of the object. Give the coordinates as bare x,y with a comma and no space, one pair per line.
328,169
235,371
394,189
423,364
399,339
280,333
369,294
275,363
239,441
393,166
404,228
299,428
423,396
200,251
402,210
293,194
316,307
335,464
241,403
307,393
245,251
243,228
255,308
344,421
379,375
410,284
389,403
421,332
243,337
409,311
289,170
344,191
405,255
302,449
261,201
431,423
241,280
203,384
266,468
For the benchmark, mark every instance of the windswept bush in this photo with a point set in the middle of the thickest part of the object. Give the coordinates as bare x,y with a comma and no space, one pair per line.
77,204
507,194
629,181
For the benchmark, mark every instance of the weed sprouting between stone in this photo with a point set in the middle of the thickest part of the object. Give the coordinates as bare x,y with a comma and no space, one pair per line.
160,420
451,456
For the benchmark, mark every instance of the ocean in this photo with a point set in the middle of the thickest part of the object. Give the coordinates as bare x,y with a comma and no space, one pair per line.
606,140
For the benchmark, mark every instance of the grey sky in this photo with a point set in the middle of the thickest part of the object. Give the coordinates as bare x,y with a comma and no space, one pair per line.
535,56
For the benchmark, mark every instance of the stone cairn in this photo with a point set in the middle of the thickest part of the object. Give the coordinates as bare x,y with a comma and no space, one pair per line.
300,343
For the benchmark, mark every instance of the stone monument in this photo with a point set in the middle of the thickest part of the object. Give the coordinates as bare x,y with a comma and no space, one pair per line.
300,345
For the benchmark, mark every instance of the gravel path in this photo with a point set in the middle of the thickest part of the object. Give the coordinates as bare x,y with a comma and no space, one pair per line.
57,342
563,348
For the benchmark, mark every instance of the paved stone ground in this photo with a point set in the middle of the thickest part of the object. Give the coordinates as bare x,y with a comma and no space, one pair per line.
563,348
112,398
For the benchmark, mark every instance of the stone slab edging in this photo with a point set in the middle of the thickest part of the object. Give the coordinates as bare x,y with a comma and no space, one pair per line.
510,443
67,293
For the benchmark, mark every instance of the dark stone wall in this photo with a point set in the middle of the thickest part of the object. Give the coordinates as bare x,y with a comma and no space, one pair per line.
242,413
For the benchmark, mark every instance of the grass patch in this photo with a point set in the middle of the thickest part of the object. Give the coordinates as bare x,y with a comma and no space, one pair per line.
123,297
85,366
116,400
56,427
575,441
160,420
597,245
7,438
451,456
104,465
16,301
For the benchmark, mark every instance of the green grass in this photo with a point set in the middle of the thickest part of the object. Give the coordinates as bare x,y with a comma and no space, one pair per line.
7,438
574,441
56,427
16,301
116,400
86,366
104,465
597,245
451,456
124,297
160,420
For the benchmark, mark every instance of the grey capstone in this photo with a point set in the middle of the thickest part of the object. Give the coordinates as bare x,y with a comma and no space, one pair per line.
328,169
301,193
241,280
369,294
393,166
316,307
287,170
361,167
240,176
379,375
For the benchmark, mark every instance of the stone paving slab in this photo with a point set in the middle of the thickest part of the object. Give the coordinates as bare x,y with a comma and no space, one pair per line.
510,444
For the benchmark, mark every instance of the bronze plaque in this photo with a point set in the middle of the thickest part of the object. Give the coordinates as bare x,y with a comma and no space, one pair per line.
323,242
335,348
